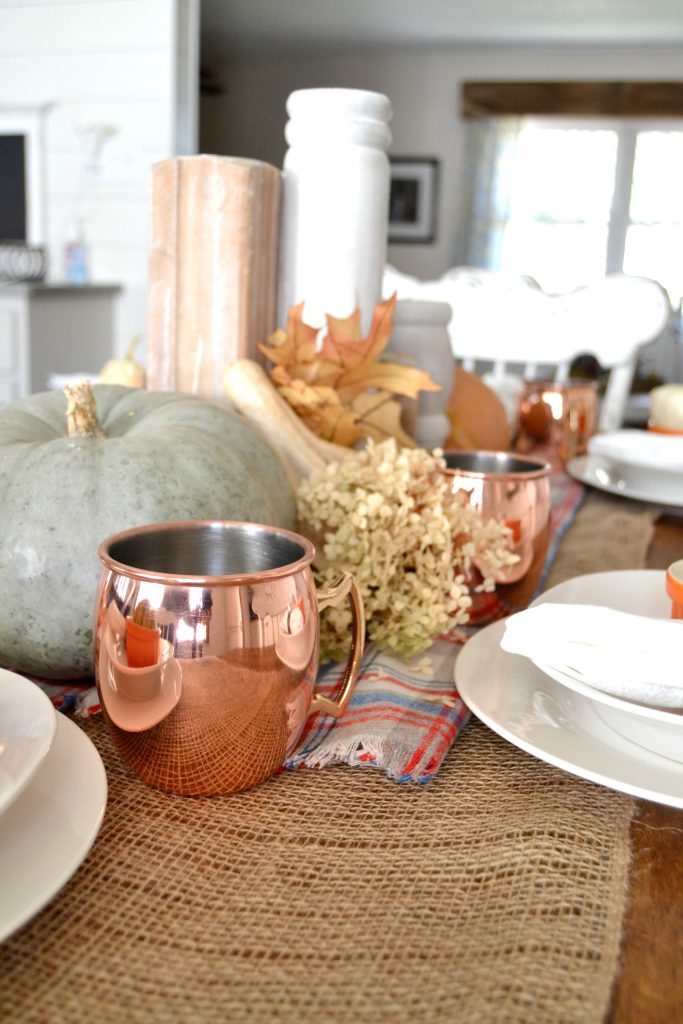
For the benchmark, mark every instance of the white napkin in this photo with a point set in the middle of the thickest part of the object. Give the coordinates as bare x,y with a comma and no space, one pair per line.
629,656
639,448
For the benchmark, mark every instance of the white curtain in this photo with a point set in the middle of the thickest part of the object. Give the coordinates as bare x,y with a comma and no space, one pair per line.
490,149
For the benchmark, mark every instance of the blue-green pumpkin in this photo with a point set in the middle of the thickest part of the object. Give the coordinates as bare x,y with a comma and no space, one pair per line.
160,456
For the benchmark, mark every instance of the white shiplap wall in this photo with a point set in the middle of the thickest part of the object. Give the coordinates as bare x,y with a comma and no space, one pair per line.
130,64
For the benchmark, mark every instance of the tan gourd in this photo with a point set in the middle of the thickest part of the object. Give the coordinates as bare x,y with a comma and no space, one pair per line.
247,386
124,371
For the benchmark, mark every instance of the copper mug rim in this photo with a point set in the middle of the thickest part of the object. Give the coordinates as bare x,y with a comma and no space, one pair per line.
286,568
537,467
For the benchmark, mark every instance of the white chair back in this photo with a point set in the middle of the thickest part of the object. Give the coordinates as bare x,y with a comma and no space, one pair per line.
504,325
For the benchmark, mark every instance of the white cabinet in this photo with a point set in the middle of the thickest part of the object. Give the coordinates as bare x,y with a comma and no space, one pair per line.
47,329
14,349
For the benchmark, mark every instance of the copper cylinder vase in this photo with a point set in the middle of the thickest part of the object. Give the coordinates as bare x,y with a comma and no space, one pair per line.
235,612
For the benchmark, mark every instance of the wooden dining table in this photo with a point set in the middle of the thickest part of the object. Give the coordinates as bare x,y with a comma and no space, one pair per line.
649,986
114,969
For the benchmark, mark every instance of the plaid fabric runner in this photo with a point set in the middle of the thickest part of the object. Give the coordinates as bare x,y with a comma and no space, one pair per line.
403,716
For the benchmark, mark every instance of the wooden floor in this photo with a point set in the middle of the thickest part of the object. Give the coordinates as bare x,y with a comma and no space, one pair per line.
650,987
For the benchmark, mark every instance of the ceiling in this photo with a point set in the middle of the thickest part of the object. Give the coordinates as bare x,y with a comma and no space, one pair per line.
288,26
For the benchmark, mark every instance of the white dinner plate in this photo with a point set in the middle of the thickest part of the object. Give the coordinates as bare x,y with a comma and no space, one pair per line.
48,830
642,483
557,724
27,727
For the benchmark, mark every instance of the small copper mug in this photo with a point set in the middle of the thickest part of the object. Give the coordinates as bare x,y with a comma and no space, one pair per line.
557,418
513,490
206,650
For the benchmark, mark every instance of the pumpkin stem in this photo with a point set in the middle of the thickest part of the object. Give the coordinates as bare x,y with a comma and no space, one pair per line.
130,351
81,412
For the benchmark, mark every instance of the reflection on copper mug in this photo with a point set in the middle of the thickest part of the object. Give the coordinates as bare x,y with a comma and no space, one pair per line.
514,490
558,418
232,619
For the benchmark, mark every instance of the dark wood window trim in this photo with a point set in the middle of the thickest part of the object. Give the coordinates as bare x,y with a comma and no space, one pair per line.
591,99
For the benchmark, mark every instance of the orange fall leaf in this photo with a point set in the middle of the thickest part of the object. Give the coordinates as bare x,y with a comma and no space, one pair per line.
341,388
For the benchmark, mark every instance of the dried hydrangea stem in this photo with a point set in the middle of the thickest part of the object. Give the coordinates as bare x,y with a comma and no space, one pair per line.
81,411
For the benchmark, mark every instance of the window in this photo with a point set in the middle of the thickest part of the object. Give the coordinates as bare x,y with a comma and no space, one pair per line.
570,200
654,233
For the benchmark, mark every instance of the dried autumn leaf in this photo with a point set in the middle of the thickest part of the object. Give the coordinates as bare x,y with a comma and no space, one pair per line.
340,425
317,375
301,334
343,341
288,355
380,417
298,342
303,396
339,387
380,328
401,380
345,328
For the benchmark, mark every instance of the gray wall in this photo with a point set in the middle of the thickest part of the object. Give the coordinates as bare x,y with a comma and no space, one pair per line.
423,85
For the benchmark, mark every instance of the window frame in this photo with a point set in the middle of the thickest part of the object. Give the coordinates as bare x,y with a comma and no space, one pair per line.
627,130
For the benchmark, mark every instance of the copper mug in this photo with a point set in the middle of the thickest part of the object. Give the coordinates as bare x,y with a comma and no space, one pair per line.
514,490
206,650
557,418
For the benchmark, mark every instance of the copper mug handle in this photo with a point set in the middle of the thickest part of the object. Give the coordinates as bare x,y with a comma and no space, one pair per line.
330,597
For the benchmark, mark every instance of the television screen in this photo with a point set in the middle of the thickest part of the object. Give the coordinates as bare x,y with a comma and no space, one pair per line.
12,188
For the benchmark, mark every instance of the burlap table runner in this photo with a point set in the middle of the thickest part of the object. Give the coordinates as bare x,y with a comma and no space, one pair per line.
493,894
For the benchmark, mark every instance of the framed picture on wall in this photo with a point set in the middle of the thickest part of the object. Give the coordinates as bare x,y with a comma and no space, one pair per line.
412,199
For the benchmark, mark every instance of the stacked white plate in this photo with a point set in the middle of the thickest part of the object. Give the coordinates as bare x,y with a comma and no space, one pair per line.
627,746
53,793
638,464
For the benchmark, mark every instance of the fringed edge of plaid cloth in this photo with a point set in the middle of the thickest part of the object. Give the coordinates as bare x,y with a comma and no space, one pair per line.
403,716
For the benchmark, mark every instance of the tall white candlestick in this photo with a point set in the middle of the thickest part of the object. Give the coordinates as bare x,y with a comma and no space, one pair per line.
335,204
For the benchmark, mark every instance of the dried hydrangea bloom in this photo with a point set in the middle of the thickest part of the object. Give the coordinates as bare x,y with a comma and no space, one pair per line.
388,515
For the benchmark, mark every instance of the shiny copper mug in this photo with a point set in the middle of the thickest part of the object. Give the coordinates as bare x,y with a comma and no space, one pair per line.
514,490
557,418
206,650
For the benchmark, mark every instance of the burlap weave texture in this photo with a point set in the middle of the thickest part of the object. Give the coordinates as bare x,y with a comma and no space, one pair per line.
608,533
493,894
